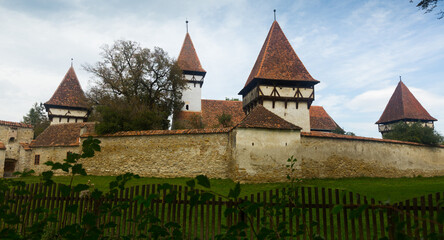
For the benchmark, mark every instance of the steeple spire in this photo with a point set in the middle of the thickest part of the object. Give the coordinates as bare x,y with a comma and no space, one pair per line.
188,59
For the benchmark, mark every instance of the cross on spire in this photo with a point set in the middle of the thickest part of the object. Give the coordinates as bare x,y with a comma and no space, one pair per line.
186,22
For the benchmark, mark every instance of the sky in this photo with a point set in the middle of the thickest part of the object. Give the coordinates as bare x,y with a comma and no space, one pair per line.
356,49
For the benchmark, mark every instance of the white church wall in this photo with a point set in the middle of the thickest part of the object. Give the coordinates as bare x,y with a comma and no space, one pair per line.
192,97
298,116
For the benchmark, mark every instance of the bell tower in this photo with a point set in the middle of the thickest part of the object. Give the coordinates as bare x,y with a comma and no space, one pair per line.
68,104
193,74
280,82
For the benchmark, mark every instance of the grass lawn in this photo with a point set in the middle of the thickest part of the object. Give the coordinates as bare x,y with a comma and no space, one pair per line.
392,189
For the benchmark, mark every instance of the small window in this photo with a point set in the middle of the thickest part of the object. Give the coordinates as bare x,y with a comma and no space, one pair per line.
67,120
11,140
60,119
37,160
76,119
186,107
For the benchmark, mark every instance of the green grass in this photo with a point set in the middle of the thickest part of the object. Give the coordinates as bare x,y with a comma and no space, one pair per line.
382,189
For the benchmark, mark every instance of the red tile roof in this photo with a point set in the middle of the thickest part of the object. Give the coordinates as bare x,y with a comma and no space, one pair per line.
212,109
69,93
278,61
161,132
404,106
320,120
66,134
2,146
260,117
188,59
340,136
26,146
15,124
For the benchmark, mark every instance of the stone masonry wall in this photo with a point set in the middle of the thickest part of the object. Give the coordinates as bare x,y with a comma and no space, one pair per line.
338,158
182,155
55,154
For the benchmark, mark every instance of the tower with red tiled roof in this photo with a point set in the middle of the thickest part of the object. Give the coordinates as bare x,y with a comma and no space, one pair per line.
193,73
403,107
280,82
68,104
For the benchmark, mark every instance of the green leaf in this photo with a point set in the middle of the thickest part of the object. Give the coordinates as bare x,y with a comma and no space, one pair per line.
358,211
234,193
80,187
72,208
203,181
89,219
191,183
336,209
96,194
65,190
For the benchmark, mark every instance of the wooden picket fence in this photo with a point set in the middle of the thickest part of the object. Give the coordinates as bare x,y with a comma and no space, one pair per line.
207,220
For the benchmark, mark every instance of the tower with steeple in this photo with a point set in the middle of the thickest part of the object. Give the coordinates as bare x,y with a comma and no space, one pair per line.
403,107
68,104
193,74
280,82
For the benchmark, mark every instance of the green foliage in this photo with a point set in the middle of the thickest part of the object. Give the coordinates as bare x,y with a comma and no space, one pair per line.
37,118
339,130
428,6
415,132
225,119
136,88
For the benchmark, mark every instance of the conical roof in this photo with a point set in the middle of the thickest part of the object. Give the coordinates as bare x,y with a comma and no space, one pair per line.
188,59
277,60
260,117
69,93
403,105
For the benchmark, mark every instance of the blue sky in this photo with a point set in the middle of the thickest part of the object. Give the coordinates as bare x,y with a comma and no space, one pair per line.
357,49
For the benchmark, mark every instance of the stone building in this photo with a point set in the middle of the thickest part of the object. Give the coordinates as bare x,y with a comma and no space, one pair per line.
403,107
14,146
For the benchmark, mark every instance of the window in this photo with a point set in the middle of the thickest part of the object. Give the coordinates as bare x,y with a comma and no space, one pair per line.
37,159
186,107
11,140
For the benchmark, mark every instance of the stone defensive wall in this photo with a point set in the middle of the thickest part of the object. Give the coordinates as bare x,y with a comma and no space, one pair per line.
327,155
164,153
252,155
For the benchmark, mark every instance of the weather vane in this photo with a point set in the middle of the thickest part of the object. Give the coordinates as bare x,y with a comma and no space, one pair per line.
274,10
186,21
72,59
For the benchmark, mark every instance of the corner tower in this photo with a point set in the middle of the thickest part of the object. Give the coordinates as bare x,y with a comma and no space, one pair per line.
68,104
193,74
403,107
280,82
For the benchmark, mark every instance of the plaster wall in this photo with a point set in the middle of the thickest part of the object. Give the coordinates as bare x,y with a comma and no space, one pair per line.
12,137
70,114
192,97
260,155
287,91
299,116
183,155
339,158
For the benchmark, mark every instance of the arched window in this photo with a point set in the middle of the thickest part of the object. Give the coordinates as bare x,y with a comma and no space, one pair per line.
186,107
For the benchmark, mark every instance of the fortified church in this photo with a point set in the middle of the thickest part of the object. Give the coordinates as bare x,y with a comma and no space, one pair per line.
274,121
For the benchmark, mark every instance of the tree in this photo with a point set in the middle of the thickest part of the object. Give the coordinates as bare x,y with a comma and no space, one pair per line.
135,88
339,130
224,120
37,118
415,132
428,6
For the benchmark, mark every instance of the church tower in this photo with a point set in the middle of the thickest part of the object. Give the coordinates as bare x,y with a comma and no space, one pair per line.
68,104
280,82
193,74
403,107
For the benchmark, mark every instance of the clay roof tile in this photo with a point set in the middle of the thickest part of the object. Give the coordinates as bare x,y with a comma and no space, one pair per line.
66,134
404,106
15,124
320,120
188,59
260,117
69,93
277,60
2,146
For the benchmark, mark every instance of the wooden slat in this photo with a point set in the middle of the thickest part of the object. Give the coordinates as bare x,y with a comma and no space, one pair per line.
304,222
318,219
213,217
195,220
297,217
202,219
408,219
136,193
352,221
258,218
360,224
324,213
431,213
207,220
310,211
277,215
423,216
367,220
332,223
381,223
374,220
219,216
344,202
172,206
338,215
416,215
440,227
